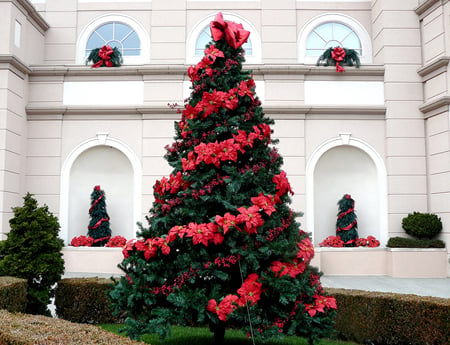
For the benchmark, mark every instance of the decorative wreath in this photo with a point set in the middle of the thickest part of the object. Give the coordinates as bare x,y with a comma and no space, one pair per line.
105,57
338,56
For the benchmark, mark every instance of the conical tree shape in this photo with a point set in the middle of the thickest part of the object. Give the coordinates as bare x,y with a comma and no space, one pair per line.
99,228
346,224
223,247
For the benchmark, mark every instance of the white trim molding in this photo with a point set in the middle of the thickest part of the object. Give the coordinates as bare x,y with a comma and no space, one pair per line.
86,32
348,139
363,35
255,58
101,139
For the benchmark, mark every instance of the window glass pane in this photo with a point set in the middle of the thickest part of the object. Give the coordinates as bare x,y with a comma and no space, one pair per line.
352,42
121,31
132,41
95,41
325,31
118,35
106,31
340,31
314,41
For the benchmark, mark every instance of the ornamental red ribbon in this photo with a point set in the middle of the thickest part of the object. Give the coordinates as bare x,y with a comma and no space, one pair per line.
96,201
234,33
102,239
348,227
98,223
104,53
338,54
345,213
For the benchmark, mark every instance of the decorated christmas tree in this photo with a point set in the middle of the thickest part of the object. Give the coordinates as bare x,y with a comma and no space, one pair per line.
346,224
99,228
222,247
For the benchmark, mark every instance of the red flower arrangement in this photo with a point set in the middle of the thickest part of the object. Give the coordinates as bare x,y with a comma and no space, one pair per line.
116,241
335,241
82,241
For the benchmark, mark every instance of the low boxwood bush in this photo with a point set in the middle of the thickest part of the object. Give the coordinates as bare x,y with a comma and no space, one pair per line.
13,294
27,329
422,225
84,300
404,242
391,319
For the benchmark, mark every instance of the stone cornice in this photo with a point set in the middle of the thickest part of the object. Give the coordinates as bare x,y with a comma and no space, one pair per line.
263,69
428,4
55,112
14,64
429,108
38,21
430,69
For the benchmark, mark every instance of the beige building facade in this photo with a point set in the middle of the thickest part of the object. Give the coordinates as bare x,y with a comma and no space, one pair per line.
379,132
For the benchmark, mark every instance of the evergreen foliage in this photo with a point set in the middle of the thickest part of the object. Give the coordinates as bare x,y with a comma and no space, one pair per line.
99,228
33,251
222,247
105,57
422,225
346,224
351,58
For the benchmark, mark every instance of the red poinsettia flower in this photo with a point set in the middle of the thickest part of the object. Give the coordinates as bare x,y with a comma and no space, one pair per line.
251,218
264,202
244,90
282,184
212,53
226,222
279,268
250,291
306,250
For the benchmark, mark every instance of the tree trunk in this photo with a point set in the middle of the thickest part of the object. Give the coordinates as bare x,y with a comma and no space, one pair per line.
219,333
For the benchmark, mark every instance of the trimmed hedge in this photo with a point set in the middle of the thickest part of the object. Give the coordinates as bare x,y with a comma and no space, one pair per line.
84,300
13,294
404,242
26,329
391,319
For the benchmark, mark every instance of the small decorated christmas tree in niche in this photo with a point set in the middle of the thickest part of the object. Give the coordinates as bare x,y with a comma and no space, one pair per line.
99,228
346,224
222,247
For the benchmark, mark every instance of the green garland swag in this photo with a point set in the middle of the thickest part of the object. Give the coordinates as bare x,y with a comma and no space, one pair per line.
350,58
105,57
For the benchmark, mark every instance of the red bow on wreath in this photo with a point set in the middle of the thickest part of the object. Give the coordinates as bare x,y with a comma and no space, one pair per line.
235,35
105,56
338,54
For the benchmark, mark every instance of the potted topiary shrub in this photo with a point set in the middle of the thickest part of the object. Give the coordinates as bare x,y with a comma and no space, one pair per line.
421,255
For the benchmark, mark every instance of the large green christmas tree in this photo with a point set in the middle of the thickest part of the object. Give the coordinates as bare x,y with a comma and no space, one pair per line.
222,246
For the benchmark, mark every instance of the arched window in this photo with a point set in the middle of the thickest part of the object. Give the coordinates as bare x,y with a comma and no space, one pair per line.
118,31
332,34
115,34
200,35
332,30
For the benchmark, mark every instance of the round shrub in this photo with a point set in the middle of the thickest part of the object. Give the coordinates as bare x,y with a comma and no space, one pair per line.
422,225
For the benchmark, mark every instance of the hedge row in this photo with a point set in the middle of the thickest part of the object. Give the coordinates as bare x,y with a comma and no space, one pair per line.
387,318
406,242
84,300
27,329
13,294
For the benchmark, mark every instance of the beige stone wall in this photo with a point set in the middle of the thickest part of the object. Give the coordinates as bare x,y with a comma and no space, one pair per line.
399,110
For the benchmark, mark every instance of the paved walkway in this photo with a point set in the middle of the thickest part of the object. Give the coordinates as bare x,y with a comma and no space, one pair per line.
437,287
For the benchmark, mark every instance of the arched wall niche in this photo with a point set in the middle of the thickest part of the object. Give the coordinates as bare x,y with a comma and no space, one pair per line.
111,164
346,165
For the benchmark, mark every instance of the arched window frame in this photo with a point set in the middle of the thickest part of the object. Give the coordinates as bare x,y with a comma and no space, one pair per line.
255,58
143,58
361,32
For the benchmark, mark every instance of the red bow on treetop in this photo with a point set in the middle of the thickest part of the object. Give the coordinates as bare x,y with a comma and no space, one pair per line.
338,54
105,56
234,33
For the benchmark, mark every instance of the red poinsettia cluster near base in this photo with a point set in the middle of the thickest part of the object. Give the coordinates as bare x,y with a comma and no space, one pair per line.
87,241
335,241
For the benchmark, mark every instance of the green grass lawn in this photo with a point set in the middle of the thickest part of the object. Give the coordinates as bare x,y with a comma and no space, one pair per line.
202,336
